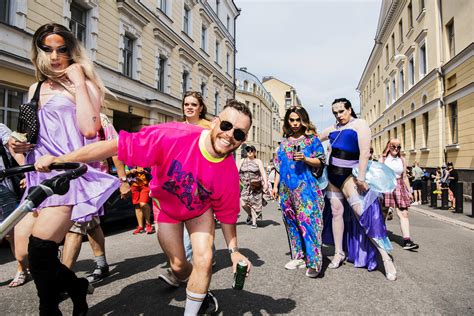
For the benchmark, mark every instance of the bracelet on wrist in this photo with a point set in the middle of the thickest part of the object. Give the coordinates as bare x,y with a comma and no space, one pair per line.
233,250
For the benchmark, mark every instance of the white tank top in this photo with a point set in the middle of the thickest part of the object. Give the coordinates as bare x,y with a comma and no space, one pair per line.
396,164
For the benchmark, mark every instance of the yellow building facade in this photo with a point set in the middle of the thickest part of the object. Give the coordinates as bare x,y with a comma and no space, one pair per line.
264,133
148,53
284,95
418,86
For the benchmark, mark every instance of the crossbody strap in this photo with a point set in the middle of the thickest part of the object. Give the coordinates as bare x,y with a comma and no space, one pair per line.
37,92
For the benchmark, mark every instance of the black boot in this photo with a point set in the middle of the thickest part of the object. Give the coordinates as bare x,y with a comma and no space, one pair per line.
77,288
44,262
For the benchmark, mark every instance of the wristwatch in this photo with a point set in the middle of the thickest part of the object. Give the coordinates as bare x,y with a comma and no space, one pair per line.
123,180
232,250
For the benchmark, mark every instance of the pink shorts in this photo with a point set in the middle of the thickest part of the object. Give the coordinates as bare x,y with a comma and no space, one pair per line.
162,217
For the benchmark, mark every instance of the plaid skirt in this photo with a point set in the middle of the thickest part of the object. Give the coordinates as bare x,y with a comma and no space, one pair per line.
400,197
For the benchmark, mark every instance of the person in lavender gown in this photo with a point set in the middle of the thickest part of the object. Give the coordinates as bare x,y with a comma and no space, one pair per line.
366,233
71,95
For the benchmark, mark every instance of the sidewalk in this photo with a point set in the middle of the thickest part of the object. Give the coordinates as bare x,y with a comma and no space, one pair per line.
459,219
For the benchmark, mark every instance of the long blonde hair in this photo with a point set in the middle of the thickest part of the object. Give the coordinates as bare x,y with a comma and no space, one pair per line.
76,54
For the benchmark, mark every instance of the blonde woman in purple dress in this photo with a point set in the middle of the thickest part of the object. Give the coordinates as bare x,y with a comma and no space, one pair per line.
71,96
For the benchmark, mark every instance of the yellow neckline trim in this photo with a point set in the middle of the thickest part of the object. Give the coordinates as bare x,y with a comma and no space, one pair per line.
202,148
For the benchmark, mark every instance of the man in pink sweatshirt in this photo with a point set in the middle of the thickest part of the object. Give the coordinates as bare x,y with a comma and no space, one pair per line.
194,179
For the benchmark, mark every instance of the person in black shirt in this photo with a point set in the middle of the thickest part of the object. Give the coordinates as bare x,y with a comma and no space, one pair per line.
453,181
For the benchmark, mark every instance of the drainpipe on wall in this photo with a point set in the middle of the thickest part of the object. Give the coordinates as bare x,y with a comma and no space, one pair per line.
441,81
235,48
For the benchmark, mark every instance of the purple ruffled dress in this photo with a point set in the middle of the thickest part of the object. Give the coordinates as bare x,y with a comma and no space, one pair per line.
59,135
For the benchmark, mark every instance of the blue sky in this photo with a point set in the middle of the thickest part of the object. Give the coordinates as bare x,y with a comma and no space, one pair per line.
319,47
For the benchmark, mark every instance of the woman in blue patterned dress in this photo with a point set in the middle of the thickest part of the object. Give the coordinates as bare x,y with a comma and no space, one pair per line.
301,198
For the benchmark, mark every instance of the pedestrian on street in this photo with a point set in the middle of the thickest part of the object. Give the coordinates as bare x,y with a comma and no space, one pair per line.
139,178
400,198
417,183
453,182
10,194
366,233
92,228
301,198
186,159
194,113
70,97
254,184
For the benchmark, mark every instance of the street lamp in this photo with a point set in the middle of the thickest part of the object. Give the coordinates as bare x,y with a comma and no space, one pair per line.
322,116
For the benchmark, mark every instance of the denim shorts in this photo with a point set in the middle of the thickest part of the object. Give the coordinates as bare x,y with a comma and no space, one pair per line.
8,202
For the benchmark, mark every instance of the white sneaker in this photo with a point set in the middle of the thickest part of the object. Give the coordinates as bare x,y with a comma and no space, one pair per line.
312,273
295,264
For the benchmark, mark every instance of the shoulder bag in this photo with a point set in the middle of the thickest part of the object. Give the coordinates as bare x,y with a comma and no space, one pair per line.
28,118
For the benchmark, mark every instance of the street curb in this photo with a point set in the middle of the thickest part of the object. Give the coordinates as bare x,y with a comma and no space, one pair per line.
443,218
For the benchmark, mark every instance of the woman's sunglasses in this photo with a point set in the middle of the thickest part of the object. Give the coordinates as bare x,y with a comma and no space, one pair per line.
63,50
395,147
239,135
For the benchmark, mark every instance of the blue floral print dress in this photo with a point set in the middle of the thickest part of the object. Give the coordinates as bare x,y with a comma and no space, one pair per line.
301,199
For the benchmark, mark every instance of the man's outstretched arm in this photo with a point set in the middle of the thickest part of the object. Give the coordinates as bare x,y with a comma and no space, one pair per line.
93,152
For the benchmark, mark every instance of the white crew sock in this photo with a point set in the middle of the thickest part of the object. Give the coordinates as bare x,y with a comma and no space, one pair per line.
193,303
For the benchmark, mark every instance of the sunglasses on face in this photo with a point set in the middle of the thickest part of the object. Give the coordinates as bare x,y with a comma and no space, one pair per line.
393,147
239,135
294,120
63,50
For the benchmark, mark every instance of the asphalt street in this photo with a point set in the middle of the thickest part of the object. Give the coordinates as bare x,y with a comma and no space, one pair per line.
436,279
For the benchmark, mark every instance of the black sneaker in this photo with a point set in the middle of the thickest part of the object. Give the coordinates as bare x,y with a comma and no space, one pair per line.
209,305
409,245
98,274
248,221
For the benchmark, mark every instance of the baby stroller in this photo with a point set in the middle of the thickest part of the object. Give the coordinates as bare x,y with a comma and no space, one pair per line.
37,194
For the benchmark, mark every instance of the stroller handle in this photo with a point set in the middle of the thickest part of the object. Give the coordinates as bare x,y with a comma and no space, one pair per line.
55,166
59,184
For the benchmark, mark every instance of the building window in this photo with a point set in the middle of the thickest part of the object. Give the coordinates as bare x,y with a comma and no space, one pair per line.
228,23
423,59
218,52
394,89
186,20
162,5
400,30
450,38
127,56
4,11
378,73
413,133
203,89
204,38
185,79
389,135
401,83
387,56
216,103
411,71
77,24
425,129
218,7
387,95
453,109
246,85
227,63
393,44
410,15
161,73
402,131
10,100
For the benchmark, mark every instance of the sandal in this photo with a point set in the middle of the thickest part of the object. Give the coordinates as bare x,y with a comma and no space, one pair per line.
21,277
